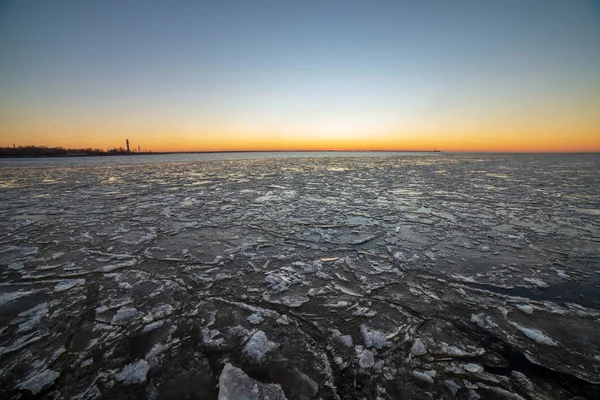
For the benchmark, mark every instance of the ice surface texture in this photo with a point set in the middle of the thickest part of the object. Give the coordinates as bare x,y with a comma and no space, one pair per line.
466,276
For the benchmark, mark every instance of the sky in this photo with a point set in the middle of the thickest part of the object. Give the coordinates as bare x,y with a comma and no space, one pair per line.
504,75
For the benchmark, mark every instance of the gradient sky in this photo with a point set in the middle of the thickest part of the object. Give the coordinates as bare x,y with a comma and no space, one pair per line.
518,75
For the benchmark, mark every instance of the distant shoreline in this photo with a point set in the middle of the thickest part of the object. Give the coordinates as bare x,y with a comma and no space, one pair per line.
78,155
68,153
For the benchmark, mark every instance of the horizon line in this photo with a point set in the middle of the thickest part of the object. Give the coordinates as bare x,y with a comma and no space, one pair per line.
435,150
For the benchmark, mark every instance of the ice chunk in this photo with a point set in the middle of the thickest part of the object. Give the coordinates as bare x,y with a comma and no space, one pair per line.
291,300
462,278
56,354
339,304
526,308
561,274
305,386
274,279
343,262
134,373
234,384
268,198
125,315
452,386
209,337
347,290
15,252
22,341
484,321
37,382
16,265
364,312
346,340
522,381
503,311
503,393
249,249
399,257
366,358
418,348
373,338
87,363
258,346
255,318
12,296
68,284
157,350
426,376
35,314
536,335
308,268
162,310
114,267
537,282
456,352
473,368
279,283
101,309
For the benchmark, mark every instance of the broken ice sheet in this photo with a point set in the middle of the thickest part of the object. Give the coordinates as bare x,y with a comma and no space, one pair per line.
392,267
234,384
346,340
536,335
255,318
125,315
373,337
133,373
68,284
426,376
418,348
32,317
290,299
38,381
258,346
366,358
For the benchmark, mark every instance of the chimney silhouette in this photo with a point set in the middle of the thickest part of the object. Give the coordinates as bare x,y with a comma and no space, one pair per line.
127,142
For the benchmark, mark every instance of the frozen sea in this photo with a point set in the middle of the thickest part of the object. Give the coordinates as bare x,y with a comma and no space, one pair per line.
301,276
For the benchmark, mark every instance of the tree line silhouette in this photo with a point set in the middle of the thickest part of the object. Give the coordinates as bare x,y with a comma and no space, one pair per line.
44,151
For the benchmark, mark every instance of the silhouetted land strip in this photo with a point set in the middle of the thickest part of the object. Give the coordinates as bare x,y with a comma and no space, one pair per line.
43,151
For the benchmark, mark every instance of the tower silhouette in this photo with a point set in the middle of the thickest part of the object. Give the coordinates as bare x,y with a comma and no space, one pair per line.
127,142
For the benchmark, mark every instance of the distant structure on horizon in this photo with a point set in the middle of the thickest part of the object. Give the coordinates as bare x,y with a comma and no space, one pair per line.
139,149
127,142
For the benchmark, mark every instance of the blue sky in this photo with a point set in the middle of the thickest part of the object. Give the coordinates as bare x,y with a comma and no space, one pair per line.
270,70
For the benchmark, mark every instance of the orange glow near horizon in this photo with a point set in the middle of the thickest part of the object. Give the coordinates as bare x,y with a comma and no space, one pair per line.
165,141
356,134
561,125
